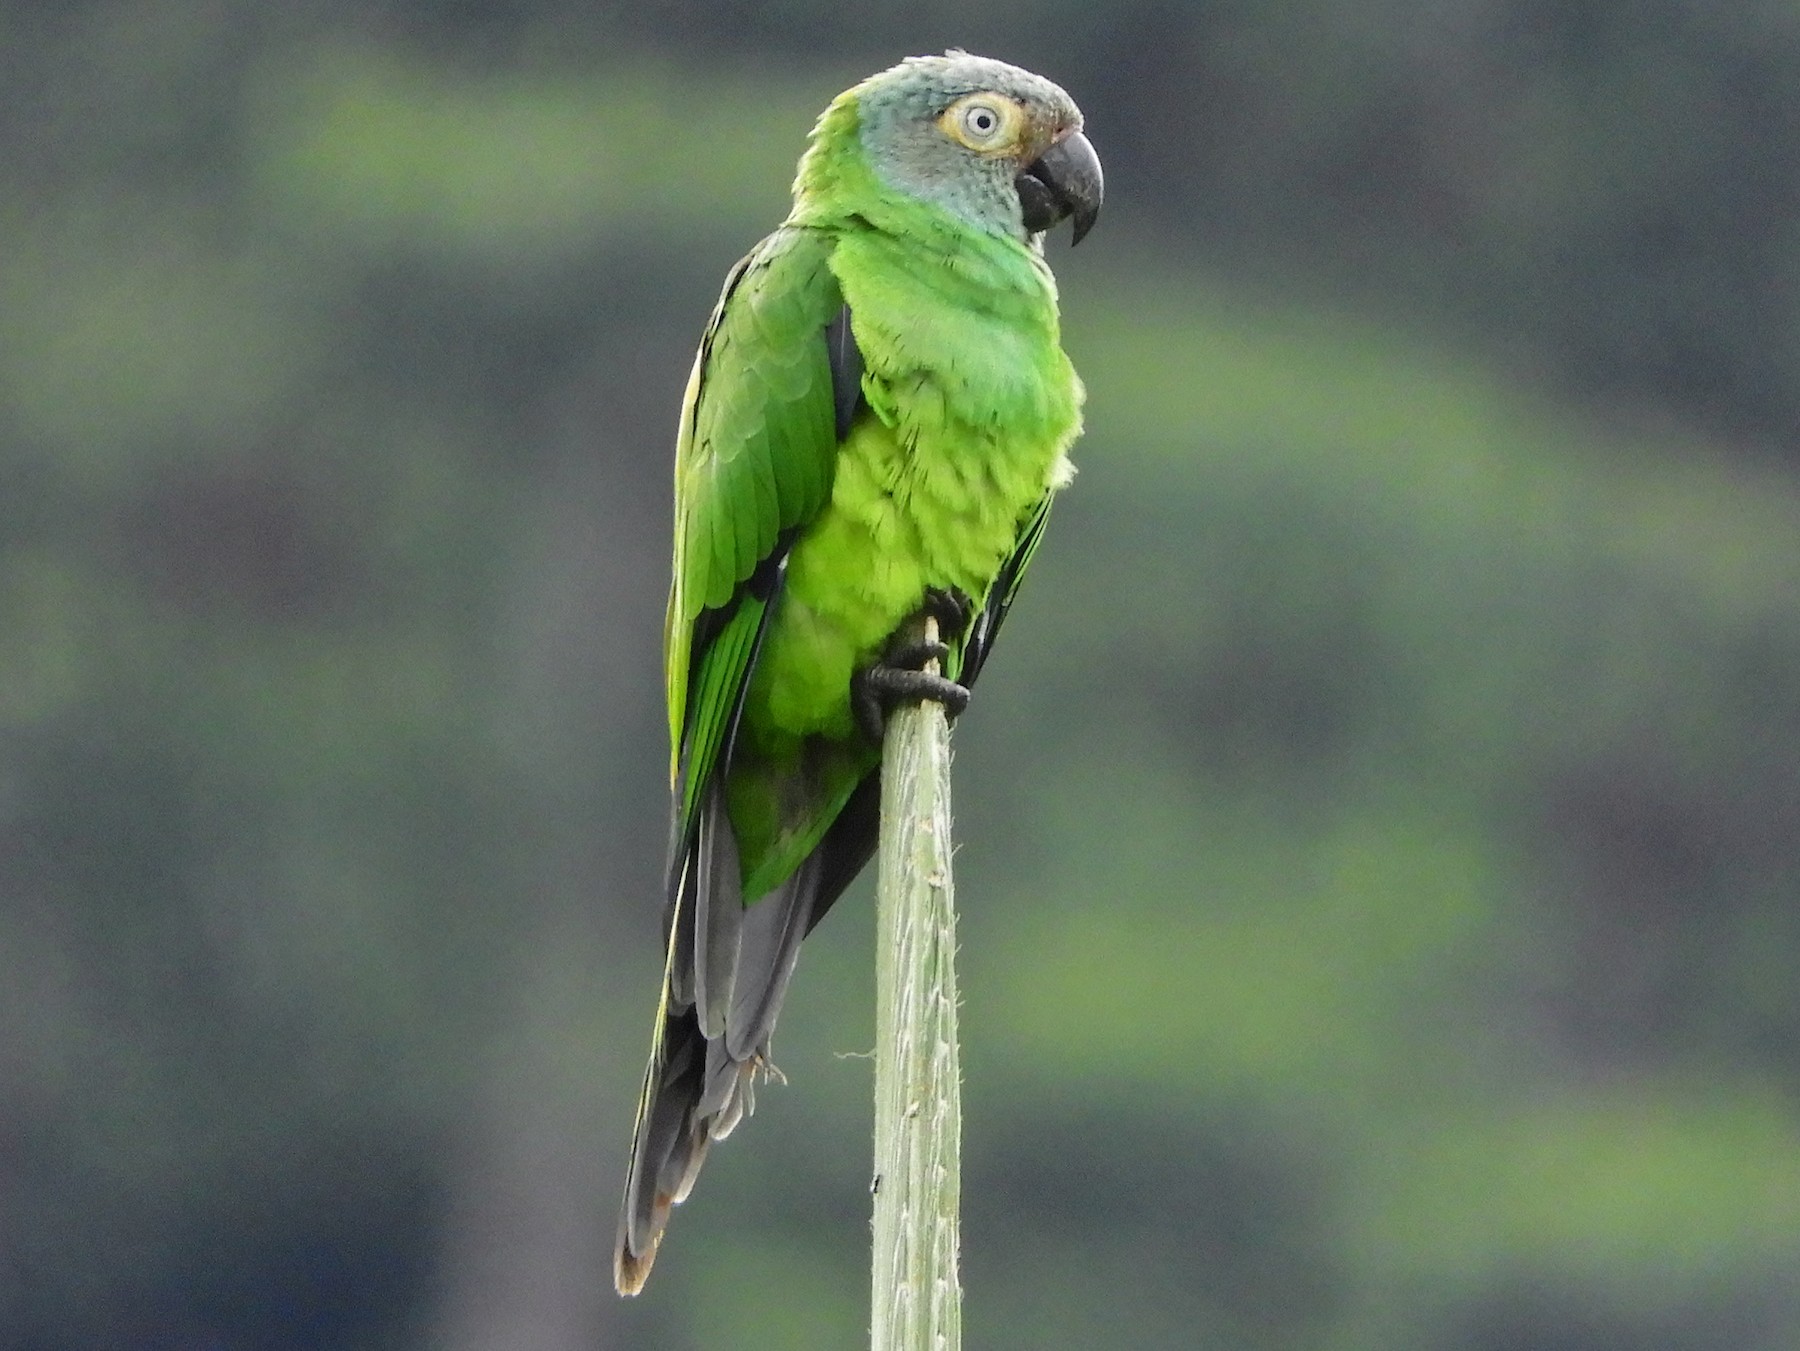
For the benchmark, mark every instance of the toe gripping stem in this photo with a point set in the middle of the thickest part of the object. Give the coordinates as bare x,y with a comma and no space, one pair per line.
908,671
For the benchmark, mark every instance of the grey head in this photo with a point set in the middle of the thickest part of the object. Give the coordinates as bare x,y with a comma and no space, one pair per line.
994,145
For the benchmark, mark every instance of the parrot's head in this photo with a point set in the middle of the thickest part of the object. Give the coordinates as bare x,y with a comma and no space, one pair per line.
991,143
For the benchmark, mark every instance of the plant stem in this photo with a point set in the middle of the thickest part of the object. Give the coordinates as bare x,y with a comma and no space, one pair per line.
916,1294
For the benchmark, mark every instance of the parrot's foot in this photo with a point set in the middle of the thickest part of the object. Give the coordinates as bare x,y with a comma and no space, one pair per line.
899,677
950,608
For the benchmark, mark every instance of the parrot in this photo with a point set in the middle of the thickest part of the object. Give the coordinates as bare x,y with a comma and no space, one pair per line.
875,425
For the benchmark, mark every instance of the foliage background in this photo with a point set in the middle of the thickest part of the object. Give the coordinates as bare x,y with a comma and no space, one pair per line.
1380,832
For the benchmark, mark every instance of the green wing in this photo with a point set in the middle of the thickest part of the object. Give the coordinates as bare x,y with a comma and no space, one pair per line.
773,389
753,463
985,626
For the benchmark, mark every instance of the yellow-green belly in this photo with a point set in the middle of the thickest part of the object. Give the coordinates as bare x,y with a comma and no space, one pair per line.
947,514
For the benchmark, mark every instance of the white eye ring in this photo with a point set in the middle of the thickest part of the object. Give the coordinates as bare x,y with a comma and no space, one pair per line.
982,121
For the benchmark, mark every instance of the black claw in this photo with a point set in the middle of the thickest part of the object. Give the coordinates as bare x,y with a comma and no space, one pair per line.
898,683
913,656
866,706
900,675
951,608
943,690
876,690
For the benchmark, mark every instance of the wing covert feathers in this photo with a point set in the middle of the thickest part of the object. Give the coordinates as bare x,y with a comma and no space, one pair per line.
758,434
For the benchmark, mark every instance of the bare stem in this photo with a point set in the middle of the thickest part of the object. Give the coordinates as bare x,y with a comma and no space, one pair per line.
917,1296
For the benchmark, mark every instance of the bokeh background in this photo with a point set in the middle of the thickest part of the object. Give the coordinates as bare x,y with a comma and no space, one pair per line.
1380,828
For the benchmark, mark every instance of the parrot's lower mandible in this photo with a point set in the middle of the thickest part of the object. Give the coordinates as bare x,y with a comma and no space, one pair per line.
878,418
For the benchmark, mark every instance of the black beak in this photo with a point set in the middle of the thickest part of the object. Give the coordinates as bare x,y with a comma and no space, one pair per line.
1064,181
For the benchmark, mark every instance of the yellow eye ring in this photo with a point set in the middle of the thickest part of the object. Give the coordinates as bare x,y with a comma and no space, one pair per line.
986,123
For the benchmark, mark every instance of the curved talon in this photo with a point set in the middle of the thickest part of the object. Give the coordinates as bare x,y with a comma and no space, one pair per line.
913,656
899,684
874,691
900,675
951,608
867,708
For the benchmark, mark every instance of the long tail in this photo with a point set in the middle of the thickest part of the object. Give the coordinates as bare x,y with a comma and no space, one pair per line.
727,972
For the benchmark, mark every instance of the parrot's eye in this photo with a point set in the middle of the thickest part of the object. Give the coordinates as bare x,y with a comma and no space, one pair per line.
980,122
983,122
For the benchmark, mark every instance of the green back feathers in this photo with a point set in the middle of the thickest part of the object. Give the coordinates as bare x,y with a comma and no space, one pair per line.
753,459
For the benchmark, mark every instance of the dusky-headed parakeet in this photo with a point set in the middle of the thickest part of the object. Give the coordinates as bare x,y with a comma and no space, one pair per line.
877,421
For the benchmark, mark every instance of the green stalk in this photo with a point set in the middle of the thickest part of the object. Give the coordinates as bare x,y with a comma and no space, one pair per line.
916,1293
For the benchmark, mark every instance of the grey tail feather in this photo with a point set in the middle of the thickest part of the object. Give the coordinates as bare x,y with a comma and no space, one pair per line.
698,1087
718,914
768,946
662,1141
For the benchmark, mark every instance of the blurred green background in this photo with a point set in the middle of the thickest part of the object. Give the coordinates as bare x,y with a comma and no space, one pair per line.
1380,829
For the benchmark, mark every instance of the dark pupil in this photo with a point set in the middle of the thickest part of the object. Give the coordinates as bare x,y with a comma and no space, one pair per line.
983,120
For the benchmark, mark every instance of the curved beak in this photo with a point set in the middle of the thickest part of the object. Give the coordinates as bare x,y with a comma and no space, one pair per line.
1065,181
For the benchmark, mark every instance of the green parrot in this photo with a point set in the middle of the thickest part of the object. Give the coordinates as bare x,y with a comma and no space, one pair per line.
877,420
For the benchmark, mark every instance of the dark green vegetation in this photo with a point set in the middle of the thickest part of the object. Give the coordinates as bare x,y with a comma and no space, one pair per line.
1380,827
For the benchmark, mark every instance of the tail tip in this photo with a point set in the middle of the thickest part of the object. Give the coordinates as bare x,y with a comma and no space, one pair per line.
631,1270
